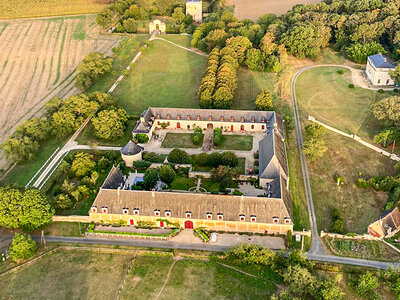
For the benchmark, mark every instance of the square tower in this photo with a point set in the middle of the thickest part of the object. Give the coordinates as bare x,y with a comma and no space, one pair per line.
195,9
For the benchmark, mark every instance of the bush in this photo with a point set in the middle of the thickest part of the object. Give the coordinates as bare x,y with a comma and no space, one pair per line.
214,159
217,137
150,178
351,86
197,136
151,156
201,159
229,159
22,247
289,238
340,72
381,91
396,90
141,164
141,138
178,156
103,163
236,192
167,174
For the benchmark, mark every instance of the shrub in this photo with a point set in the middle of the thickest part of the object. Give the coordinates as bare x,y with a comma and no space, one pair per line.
141,138
103,163
340,72
178,156
151,156
150,178
22,247
236,192
229,159
197,136
264,100
289,238
141,164
396,90
167,174
351,86
201,159
217,136
214,159
381,91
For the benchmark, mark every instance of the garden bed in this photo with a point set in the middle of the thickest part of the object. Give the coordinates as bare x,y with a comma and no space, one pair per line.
116,231
179,140
236,142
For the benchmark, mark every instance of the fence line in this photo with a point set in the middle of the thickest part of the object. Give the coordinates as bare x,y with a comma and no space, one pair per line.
392,156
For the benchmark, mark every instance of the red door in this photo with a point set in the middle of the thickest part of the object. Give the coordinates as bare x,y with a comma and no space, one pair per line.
161,223
231,127
131,222
242,127
189,224
178,125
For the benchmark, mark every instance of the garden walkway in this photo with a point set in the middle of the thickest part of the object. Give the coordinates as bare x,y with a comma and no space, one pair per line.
177,45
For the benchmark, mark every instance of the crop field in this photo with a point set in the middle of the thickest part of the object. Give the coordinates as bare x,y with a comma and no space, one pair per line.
44,8
245,9
38,61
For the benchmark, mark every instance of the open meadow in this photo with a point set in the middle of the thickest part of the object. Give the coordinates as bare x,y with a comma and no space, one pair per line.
38,59
44,8
246,9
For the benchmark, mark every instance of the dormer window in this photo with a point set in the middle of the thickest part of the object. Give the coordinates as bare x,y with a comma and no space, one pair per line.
188,117
263,119
210,118
125,211
168,116
136,211
208,216
242,218
242,119
94,209
275,220
158,116
221,118
220,216
253,119
198,117
168,213
287,220
253,218
232,119
178,117
104,209
157,212
188,214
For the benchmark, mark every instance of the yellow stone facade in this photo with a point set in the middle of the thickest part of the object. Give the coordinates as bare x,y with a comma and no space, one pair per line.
214,225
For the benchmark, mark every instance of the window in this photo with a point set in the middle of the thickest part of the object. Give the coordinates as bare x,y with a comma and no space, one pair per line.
168,123
125,211
387,81
94,209
275,220
208,216
158,122
242,218
220,216
379,81
242,127
252,126
188,127
262,127
157,213
231,127
253,218
104,209
188,214
168,213
136,211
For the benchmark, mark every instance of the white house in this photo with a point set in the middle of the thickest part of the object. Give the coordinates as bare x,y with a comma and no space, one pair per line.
195,9
378,67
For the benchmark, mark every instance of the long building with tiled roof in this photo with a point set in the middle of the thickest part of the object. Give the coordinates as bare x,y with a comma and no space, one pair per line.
271,213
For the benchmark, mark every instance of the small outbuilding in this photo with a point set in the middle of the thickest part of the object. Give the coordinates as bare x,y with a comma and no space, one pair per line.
387,225
378,67
131,152
157,25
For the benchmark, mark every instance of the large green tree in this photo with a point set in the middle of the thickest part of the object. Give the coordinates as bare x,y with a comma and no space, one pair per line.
264,100
110,124
83,164
28,209
167,174
387,110
19,149
22,247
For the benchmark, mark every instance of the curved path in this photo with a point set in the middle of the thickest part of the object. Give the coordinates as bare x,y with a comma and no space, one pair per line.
317,250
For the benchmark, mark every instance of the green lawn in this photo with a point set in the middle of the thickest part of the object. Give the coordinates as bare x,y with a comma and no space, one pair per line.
164,76
87,137
179,140
325,94
182,183
122,59
64,229
68,275
236,142
183,40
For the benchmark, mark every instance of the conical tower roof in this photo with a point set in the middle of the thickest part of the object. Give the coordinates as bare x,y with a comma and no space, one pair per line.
131,148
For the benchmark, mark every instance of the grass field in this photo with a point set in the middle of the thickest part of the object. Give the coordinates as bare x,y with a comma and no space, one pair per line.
182,183
324,93
236,142
45,8
165,76
179,140
81,274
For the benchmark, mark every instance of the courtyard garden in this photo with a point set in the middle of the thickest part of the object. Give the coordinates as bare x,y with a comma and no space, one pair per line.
179,140
153,80
236,142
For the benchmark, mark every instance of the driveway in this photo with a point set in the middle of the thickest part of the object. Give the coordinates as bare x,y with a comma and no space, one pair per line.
229,240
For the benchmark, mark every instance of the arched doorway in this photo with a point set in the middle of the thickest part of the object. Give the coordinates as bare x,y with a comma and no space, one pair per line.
188,224
242,127
210,126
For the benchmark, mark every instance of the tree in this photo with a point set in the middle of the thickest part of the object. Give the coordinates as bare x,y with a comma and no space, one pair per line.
64,122
83,164
178,156
367,284
28,209
37,129
224,175
359,52
240,44
188,20
314,148
130,25
91,69
267,44
388,110
197,136
215,38
217,139
254,60
264,100
22,247
387,136
141,138
178,16
63,201
330,290
315,131
110,124
53,105
229,159
266,20
19,149
167,174
150,178
395,74
300,280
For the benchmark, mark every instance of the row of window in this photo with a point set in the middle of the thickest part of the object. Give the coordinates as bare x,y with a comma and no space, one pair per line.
210,118
178,126
188,214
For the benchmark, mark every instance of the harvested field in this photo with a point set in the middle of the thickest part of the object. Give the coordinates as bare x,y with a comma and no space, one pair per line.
44,8
38,61
253,9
